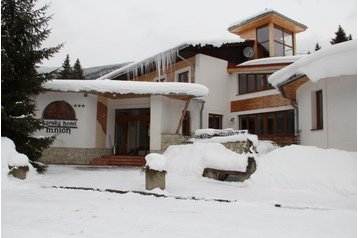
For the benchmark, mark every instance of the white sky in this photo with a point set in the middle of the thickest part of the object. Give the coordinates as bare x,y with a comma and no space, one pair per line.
101,32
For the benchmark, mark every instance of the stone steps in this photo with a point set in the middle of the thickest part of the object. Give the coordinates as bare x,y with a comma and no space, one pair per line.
118,160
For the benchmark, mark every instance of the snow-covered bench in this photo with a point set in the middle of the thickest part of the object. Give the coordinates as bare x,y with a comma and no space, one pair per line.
229,175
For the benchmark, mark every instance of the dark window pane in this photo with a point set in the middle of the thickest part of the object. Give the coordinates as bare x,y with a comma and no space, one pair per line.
252,124
262,34
183,77
263,50
319,105
280,123
186,124
243,122
260,82
260,129
215,121
279,49
242,84
270,123
251,83
291,122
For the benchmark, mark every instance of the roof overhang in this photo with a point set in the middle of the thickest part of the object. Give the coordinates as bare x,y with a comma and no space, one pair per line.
288,88
263,68
264,18
128,89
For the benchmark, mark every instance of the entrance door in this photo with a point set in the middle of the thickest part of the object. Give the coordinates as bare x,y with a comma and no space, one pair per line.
132,131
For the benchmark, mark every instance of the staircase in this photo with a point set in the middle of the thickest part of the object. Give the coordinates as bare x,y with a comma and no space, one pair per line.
119,160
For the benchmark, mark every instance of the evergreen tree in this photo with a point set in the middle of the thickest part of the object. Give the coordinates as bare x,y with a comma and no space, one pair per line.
66,72
23,29
77,70
340,36
317,47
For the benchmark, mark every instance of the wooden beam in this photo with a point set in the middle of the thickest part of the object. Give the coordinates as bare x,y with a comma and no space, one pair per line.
183,115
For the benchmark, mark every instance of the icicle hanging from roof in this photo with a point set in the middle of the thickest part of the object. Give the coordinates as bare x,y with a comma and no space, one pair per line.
160,62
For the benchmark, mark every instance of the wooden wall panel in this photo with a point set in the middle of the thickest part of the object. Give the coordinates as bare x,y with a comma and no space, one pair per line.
259,103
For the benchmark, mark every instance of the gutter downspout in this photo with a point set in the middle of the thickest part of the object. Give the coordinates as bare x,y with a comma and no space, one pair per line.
191,67
297,131
201,114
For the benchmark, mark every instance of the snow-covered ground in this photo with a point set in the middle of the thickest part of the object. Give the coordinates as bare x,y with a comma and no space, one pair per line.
315,188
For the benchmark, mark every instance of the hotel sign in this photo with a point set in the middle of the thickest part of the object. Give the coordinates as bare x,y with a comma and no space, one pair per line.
60,126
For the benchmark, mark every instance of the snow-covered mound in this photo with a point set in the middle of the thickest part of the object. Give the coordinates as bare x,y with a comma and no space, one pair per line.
305,167
265,146
156,161
192,159
10,157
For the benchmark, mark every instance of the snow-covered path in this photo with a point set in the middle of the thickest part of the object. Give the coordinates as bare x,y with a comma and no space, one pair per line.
32,210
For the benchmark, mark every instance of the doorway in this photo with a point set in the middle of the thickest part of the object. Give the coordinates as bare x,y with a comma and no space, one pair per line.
132,131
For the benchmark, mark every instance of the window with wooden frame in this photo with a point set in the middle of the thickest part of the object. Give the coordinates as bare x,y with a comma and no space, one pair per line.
281,123
183,77
249,83
319,110
186,124
215,121
262,38
283,41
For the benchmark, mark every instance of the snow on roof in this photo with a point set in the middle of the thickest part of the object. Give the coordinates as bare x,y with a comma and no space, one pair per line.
127,87
260,15
165,58
336,60
272,60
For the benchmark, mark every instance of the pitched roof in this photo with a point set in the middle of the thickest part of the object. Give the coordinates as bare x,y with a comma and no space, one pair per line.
170,56
262,14
333,61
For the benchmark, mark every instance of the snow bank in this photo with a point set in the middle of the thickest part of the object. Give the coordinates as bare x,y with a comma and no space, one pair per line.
333,61
10,157
192,159
226,139
273,60
305,167
223,136
265,146
127,87
155,161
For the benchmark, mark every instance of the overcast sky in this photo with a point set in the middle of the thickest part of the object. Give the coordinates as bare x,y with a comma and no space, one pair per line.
105,32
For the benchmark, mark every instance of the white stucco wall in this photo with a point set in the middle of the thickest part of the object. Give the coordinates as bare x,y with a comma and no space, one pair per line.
85,135
339,110
212,72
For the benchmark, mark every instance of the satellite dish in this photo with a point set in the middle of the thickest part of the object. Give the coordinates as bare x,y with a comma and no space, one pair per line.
249,52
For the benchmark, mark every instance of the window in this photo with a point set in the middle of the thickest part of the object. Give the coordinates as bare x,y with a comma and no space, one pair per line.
283,41
183,77
249,83
215,121
186,124
319,110
263,49
59,110
272,123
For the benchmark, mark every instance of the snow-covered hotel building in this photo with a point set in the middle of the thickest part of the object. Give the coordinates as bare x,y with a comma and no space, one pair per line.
147,105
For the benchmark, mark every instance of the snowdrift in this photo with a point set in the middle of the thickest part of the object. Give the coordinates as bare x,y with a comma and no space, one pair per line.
192,159
305,167
10,157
